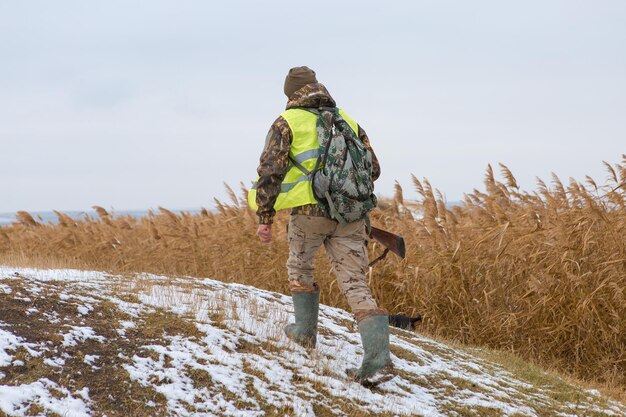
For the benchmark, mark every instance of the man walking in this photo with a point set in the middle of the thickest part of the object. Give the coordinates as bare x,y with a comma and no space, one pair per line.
286,170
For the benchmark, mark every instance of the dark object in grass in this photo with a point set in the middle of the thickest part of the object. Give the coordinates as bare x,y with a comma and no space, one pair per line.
404,322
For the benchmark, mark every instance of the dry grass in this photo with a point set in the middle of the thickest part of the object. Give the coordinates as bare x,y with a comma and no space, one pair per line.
541,274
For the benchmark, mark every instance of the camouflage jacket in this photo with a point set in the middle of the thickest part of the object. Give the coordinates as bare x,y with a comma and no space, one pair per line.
274,161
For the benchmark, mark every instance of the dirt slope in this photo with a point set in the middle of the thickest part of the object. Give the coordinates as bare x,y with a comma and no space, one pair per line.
76,343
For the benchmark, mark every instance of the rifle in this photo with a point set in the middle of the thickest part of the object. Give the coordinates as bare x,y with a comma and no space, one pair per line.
390,241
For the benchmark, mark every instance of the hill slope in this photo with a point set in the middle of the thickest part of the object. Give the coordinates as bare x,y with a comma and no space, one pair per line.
79,343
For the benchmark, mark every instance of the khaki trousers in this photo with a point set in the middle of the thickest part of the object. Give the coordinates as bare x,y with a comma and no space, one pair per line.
346,250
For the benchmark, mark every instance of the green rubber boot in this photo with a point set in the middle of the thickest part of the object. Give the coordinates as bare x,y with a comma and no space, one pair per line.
376,366
306,306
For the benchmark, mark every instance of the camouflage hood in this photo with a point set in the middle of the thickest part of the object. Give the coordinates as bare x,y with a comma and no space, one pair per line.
311,95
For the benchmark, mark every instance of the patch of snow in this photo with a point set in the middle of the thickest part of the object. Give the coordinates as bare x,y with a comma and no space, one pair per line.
79,334
15,400
84,310
55,362
53,317
8,341
11,342
128,324
5,289
125,325
90,359
84,393
45,275
132,309
34,290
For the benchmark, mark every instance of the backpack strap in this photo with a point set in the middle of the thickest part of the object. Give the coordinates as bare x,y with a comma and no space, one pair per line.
333,210
301,167
318,110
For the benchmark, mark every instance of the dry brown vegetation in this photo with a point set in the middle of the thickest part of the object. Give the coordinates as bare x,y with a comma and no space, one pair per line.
542,274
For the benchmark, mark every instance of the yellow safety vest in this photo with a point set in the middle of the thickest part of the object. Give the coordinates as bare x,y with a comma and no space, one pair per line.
296,189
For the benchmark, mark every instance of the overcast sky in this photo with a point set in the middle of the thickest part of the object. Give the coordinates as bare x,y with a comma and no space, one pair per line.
135,104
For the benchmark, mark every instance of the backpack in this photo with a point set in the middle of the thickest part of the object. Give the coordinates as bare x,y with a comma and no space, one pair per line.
342,178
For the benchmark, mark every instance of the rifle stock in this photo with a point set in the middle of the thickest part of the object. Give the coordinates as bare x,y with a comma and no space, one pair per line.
391,241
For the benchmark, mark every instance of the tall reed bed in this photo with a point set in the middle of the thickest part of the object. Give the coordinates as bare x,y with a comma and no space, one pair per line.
540,273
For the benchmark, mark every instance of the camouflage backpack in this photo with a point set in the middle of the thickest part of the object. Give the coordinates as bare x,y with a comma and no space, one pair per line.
342,179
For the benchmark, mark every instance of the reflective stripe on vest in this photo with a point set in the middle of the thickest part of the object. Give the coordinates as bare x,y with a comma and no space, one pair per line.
296,189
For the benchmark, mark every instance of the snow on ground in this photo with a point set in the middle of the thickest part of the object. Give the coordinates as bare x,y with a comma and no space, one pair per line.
10,342
240,363
79,334
14,399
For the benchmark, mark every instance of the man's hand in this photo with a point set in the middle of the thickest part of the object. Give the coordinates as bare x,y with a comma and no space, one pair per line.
264,232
